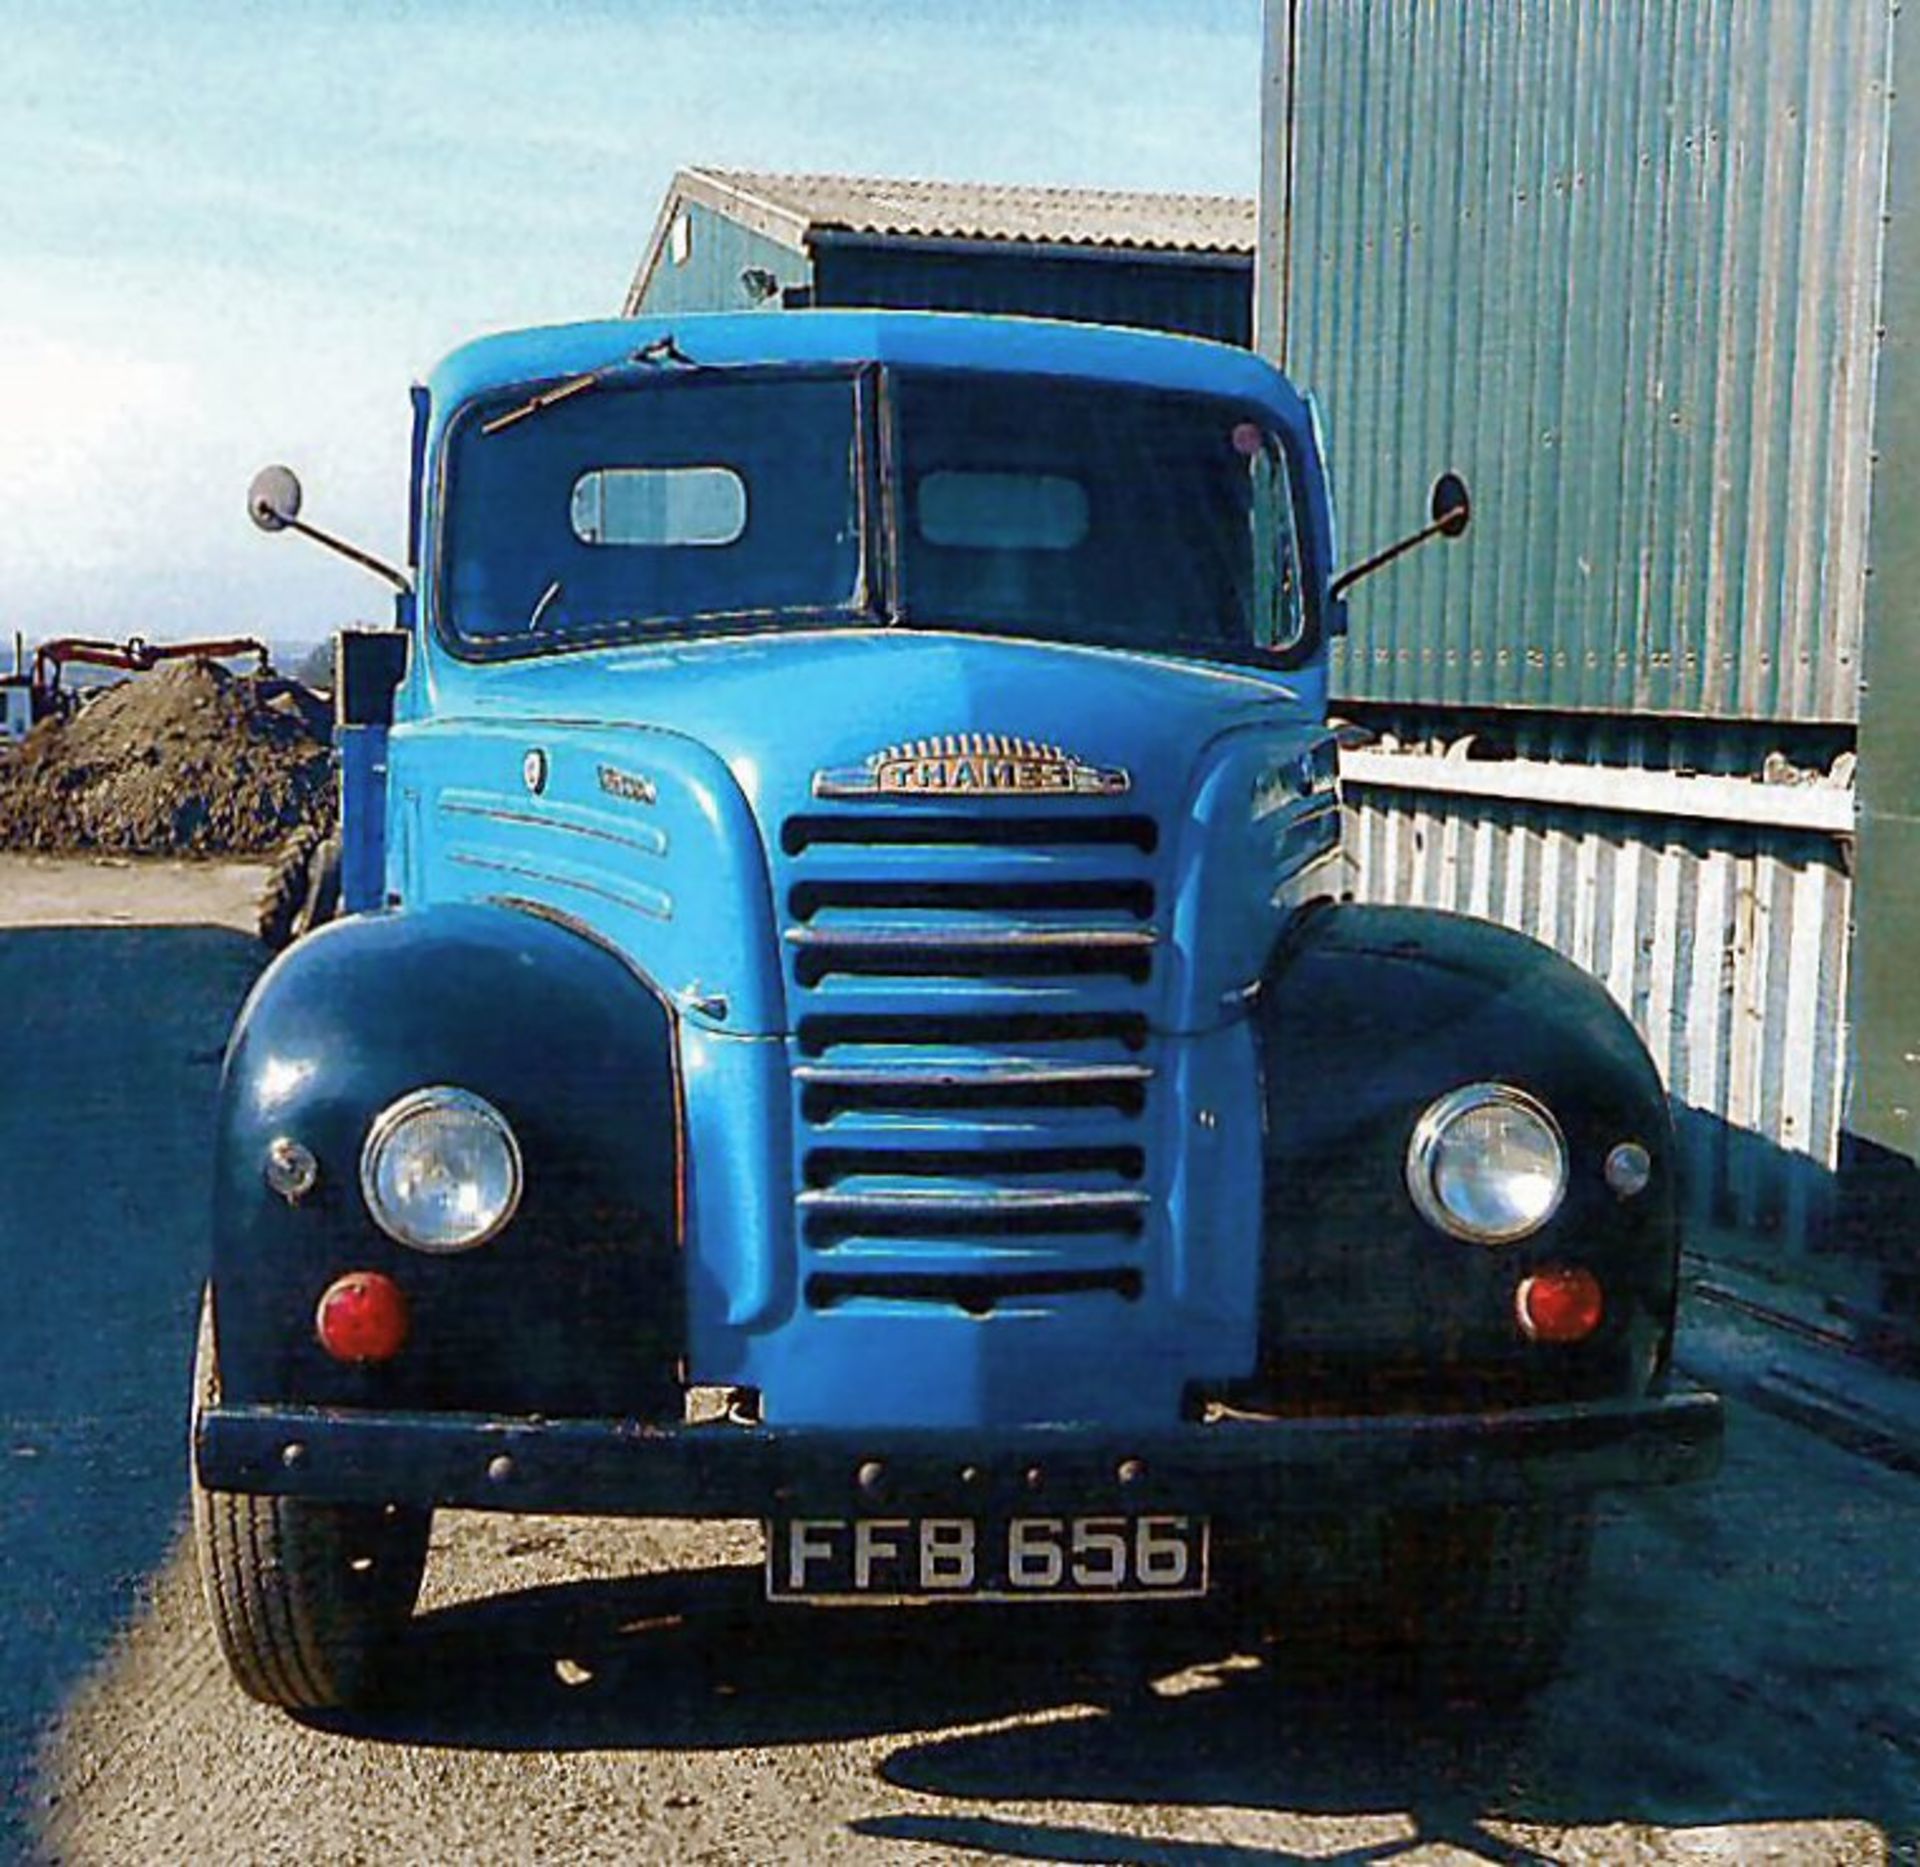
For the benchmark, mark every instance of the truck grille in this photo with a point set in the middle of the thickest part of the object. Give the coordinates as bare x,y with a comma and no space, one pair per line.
973,1069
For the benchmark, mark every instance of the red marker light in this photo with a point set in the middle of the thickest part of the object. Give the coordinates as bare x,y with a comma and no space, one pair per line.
362,1317
1563,1304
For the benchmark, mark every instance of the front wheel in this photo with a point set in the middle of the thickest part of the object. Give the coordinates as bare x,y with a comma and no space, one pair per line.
1487,1596
1475,1602
302,890
322,902
308,1599
285,891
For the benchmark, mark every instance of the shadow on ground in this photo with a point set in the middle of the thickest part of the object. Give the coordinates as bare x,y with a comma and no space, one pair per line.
1737,1665
111,1044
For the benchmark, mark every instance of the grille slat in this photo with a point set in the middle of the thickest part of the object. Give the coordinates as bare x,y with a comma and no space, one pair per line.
904,830
972,1060
921,950
834,1166
885,1129
809,900
1004,1073
998,1212
973,1030
826,1092
978,1293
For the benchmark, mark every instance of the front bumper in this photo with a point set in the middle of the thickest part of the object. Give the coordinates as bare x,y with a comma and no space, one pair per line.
1235,1469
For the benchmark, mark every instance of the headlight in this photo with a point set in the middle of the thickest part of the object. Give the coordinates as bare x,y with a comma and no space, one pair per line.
1487,1163
441,1170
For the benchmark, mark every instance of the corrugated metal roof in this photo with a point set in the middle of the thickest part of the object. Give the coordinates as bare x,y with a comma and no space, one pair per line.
936,210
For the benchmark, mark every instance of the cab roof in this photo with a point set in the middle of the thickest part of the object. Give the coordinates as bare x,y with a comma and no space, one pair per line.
921,339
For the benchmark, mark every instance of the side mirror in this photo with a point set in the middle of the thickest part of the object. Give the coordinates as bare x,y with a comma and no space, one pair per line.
273,504
273,500
1452,509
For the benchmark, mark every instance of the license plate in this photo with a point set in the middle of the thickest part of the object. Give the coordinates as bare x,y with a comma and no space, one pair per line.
877,1559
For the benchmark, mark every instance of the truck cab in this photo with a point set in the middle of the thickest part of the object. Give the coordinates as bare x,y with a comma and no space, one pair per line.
844,1014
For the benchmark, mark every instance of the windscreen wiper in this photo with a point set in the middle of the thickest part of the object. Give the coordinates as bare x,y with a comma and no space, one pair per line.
661,350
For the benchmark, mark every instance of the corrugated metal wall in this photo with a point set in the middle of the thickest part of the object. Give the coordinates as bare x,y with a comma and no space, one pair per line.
1201,295
1619,264
1726,945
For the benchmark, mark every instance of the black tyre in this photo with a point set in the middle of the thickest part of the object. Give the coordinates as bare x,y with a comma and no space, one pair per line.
1309,1591
1487,1597
1473,1603
285,891
322,901
308,1599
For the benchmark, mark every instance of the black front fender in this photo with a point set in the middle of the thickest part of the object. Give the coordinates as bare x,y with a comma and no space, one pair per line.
576,1307
1368,1015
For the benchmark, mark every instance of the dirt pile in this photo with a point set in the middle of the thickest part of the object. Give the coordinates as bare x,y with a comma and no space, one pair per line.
187,760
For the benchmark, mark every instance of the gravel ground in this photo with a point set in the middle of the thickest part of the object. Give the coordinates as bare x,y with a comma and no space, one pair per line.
119,980
1743,1689
1745,1685
126,891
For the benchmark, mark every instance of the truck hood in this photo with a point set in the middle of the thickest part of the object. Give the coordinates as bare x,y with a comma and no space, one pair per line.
779,710
894,1020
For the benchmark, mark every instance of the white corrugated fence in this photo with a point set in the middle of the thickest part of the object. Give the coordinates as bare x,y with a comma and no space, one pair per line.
1723,935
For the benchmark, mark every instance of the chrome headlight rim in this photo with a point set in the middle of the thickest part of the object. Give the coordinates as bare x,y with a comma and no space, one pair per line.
435,1098
1423,1153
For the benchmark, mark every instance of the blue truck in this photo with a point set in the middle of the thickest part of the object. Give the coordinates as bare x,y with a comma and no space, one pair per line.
842,1013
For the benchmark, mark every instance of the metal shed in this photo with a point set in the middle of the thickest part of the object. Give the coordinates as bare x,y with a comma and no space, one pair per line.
726,239
1642,272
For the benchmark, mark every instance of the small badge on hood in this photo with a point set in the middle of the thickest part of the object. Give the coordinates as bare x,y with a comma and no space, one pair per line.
973,765
631,786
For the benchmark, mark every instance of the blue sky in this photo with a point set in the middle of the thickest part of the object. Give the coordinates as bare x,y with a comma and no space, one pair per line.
234,233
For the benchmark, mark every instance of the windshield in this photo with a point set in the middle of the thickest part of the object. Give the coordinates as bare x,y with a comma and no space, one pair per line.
1089,513
1057,509
646,508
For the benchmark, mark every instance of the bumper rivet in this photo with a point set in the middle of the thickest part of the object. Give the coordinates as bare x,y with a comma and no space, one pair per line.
1035,1477
499,1469
292,1454
869,1476
1130,1471
970,1475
